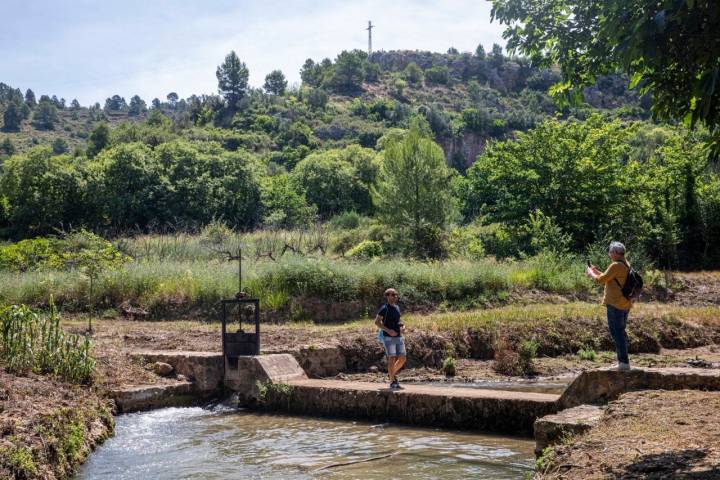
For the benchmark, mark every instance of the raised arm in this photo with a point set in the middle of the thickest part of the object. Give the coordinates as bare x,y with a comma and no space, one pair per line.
607,276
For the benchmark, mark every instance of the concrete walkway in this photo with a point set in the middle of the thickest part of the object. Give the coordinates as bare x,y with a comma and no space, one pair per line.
410,389
499,411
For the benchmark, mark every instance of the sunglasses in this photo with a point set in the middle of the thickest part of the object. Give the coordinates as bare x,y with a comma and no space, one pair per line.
392,295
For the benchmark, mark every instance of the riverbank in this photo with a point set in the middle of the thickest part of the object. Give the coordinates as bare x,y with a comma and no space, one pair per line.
48,428
649,434
570,338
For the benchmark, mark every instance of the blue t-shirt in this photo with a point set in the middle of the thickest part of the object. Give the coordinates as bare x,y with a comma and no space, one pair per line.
391,317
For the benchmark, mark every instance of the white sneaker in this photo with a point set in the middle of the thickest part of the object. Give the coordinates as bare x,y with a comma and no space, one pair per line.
623,367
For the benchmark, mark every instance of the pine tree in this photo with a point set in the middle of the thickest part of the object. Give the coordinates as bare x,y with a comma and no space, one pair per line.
99,139
30,98
412,193
275,83
13,117
137,106
7,147
46,116
232,78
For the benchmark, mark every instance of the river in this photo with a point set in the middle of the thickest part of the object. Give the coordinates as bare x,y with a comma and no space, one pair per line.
221,443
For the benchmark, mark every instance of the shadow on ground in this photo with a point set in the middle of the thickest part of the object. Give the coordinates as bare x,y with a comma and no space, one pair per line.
683,464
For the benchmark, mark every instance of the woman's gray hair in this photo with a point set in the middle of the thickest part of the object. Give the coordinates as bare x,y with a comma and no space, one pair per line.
617,247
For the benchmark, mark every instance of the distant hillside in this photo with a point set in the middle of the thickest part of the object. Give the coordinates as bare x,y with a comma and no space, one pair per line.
467,98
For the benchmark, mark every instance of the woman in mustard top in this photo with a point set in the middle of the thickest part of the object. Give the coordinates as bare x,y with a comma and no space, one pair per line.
617,305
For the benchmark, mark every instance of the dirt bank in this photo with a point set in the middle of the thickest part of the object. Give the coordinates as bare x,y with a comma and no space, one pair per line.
645,435
654,330
48,428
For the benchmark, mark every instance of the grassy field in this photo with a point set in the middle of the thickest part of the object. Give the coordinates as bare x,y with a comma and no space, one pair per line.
180,275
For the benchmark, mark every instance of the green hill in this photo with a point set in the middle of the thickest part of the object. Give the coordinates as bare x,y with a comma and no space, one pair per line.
425,154
467,99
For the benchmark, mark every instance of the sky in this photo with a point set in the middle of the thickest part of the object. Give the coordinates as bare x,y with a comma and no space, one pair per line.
93,49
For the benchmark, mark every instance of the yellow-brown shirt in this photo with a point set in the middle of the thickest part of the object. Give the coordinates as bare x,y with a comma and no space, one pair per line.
613,292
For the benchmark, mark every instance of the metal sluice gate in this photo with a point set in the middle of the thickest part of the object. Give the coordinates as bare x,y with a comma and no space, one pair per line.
240,342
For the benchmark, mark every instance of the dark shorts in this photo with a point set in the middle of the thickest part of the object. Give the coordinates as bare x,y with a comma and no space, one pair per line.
394,346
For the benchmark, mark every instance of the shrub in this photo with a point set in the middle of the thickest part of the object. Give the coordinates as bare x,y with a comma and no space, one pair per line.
587,353
365,249
75,250
346,220
448,366
437,75
215,233
528,351
512,362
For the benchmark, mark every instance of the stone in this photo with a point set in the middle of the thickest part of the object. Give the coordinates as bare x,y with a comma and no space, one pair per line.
181,378
606,384
145,397
318,362
373,369
551,429
205,369
161,368
246,374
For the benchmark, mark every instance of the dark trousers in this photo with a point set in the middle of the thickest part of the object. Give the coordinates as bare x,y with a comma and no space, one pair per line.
617,321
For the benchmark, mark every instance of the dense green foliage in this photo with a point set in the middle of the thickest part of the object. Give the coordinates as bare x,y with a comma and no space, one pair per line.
573,184
33,342
412,196
350,141
73,251
669,48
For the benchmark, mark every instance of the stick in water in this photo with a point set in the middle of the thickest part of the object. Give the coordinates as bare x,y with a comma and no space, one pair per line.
343,464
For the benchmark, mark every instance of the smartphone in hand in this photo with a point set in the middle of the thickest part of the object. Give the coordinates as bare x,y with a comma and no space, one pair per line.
588,263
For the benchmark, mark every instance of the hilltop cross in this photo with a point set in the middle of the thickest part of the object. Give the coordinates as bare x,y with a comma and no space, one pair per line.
369,29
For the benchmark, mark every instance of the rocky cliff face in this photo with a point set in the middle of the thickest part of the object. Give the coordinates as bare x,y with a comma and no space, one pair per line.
462,152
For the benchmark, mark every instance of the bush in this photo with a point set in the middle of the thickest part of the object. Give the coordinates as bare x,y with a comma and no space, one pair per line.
528,351
515,361
448,366
438,75
587,353
365,249
30,342
70,252
345,220
215,233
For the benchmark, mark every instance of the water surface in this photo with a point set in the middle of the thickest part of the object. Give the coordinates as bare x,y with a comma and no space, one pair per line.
196,443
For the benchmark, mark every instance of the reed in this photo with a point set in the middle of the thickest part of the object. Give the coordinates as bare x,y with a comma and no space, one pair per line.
35,342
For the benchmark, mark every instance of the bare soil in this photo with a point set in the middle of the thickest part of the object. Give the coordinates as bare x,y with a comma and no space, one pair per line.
114,339
645,435
696,288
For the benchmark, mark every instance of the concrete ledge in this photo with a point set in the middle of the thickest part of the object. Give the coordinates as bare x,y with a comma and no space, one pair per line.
320,362
146,397
550,429
468,409
245,376
604,385
205,369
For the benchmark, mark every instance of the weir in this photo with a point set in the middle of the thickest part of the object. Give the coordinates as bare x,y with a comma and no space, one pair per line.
277,382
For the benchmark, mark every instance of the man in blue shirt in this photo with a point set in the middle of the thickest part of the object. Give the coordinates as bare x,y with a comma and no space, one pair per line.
388,320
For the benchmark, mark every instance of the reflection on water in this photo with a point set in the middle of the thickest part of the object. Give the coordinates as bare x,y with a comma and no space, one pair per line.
194,443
